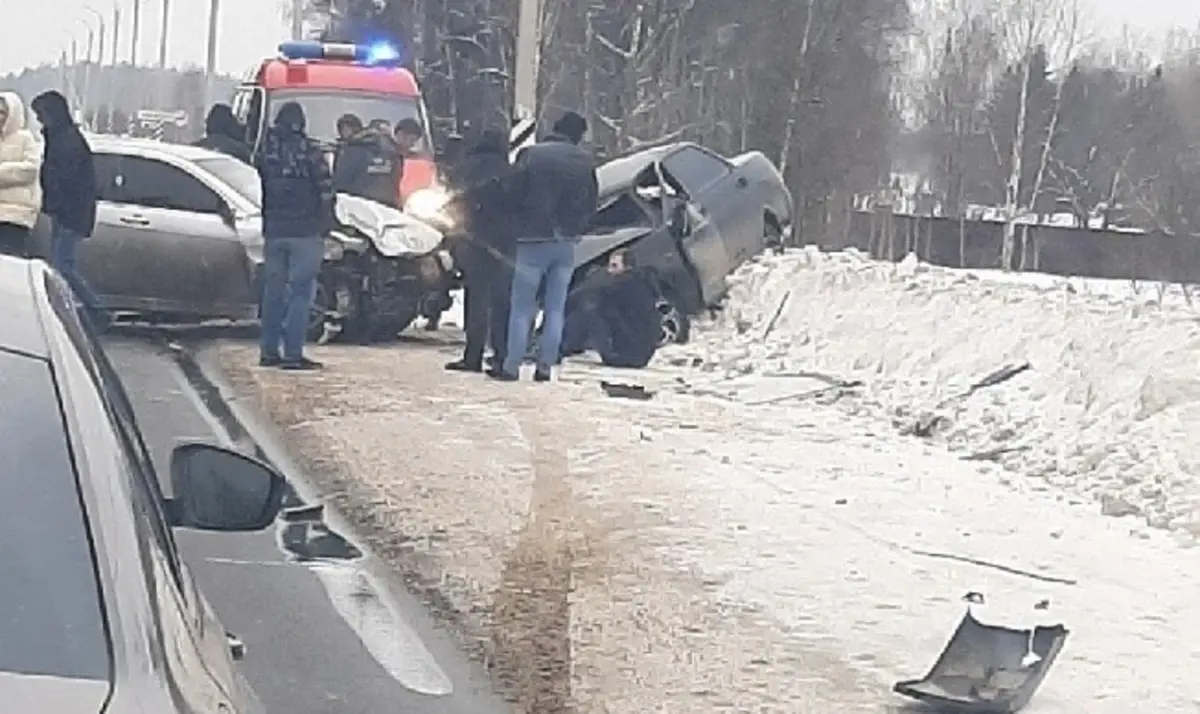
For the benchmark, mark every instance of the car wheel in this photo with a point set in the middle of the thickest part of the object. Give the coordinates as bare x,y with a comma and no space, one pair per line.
675,325
331,308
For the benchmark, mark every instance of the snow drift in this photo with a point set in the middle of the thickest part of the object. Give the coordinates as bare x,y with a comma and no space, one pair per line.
1109,409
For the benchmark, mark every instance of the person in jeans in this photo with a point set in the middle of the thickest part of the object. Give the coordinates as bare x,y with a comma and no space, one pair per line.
553,192
297,212
68,183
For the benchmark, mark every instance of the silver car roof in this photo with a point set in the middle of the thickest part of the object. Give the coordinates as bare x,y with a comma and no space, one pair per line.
149,148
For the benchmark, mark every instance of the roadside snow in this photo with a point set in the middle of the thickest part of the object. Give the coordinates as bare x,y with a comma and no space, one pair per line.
1110,409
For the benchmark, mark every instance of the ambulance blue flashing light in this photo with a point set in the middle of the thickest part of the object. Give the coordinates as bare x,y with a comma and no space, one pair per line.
380,53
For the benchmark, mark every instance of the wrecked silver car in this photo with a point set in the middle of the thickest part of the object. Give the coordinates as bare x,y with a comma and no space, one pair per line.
690,214
178,239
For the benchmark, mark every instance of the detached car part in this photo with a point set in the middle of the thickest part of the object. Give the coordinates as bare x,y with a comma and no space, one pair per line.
986,669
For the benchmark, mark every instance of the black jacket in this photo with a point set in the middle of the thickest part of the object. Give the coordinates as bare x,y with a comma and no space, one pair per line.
628,303
480,178
553,190
296,187
68,179
223,133
368,165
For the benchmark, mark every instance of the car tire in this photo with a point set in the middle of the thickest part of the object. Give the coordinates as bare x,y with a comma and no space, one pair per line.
675,324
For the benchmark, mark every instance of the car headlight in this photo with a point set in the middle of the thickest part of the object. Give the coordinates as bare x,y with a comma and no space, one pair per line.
430,205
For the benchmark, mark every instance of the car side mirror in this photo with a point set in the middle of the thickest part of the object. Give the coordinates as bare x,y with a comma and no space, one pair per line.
225,211
216,489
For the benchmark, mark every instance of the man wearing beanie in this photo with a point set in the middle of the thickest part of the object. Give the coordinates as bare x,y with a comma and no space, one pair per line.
553,194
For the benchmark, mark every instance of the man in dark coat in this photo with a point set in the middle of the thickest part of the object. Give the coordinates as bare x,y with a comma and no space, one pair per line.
297,212
224,133
481,252
553,193
367,163
68,183
619,319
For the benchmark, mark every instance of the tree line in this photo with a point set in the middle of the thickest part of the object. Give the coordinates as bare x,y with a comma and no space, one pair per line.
1019,110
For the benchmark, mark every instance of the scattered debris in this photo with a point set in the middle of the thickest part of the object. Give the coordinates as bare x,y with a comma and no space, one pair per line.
775,318
841,502
995,566
626,391
835,391
987,669
994,454
929,422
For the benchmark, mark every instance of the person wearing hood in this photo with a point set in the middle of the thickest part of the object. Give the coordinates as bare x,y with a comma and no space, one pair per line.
619,319
367,163
483,252
224,133
68,183
553,193
20,195
297,212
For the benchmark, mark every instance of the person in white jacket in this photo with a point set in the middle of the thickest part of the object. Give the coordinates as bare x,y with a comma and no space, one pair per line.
20,195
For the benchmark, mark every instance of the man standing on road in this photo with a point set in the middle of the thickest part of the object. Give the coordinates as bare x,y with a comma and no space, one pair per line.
553,193
221,129
68,184
480,252
297,211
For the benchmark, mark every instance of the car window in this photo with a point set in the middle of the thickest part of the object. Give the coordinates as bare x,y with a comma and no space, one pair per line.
238,175
154,184
146,490
695,169
51,614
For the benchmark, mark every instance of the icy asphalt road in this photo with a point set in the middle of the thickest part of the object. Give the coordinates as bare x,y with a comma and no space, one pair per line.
315,642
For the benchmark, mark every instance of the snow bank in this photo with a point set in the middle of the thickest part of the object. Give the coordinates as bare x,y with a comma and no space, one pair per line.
1109,409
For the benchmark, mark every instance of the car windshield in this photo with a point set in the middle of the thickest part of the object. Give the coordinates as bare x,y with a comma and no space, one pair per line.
51,618
239,176
322,109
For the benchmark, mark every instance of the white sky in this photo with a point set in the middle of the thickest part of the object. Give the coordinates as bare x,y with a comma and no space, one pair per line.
251,29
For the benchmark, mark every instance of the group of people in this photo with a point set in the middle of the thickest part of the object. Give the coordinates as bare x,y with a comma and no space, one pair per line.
58,181
517,255
523,224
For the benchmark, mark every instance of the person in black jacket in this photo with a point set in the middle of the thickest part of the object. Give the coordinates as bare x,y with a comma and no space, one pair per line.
620,319
297,212
68,183
553,193
367,162
481,252
224,133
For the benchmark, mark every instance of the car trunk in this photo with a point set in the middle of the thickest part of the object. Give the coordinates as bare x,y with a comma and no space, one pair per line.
59,695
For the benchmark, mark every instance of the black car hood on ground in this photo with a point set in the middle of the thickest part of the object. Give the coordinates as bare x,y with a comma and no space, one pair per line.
59,695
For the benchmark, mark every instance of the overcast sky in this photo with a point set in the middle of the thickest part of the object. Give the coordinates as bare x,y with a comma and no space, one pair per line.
251,29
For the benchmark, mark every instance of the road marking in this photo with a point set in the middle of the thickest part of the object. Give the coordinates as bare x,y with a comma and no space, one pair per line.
361,601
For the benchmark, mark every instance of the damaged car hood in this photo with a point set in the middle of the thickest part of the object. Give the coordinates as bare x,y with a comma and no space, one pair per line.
394,233
594,245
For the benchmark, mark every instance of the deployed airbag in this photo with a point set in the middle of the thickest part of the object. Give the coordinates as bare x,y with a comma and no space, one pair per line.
987,669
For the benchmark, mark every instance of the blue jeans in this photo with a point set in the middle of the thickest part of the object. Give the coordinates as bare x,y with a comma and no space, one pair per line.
64,244
552,261
290,270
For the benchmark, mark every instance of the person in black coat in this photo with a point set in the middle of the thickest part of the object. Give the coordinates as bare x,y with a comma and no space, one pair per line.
68,183
367,164
224,133
482,253
618,319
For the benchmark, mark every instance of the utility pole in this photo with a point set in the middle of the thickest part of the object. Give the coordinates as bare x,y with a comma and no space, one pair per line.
529,44
162,38
210,56
137,32
297,19
116,33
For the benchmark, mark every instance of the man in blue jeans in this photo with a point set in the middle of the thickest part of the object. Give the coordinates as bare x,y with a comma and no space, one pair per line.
68,184
553,191
297,212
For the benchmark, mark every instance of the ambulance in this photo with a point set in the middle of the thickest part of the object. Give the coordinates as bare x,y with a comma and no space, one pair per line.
329,80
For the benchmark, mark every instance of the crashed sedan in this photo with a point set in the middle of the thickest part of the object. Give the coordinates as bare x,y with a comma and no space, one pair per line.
690,214
178,238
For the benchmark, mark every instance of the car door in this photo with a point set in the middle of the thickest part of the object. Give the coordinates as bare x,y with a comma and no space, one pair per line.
722,197
195,647
169,233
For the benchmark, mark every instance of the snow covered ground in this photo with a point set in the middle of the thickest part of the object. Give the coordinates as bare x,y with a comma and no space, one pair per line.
1109,411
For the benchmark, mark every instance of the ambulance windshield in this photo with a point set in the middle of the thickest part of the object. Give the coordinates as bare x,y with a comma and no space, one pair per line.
323,108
